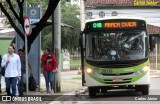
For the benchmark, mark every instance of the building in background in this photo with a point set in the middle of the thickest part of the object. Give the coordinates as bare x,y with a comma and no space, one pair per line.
7,34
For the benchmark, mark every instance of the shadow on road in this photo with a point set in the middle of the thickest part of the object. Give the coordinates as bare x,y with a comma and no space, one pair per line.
112,95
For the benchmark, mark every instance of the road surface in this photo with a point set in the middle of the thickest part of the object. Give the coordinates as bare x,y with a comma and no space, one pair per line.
118,96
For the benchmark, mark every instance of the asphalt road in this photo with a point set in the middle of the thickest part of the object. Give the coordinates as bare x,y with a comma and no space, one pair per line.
118,96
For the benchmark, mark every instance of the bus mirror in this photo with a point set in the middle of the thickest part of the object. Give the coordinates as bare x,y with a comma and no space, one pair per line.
151,42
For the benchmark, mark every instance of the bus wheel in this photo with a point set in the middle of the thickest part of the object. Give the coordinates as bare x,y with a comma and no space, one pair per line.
103,90
92,91
145,89
137,88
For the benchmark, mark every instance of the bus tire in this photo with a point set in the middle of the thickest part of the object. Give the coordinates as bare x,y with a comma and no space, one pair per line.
92,91
137,88
103,90
145,89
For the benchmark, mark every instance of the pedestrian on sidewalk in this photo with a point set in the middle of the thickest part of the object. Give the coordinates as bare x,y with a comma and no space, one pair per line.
0,73
22,82
12,64
49,66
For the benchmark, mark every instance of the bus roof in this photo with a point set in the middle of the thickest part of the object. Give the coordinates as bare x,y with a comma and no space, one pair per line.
98,19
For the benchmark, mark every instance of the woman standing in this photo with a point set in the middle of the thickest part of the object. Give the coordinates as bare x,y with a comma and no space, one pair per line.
49,66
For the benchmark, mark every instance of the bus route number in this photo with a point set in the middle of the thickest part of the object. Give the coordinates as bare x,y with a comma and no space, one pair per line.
106,71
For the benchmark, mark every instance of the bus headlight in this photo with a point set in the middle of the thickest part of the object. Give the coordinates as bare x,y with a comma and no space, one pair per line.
88,70
145,69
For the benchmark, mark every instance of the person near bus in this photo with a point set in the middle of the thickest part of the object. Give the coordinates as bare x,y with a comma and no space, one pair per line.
49,66
136,44
12,64
22,82
124,55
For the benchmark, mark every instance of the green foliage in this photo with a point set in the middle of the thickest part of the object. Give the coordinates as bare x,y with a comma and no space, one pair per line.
47,37
14,10
69,15
43,3
75,64
77,78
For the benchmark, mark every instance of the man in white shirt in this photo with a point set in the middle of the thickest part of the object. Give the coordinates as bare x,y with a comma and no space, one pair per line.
13,70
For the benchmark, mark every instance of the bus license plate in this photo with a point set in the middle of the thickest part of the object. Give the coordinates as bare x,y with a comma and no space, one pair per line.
117,80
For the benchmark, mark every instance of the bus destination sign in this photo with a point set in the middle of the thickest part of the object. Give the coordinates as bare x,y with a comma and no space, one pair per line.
117,24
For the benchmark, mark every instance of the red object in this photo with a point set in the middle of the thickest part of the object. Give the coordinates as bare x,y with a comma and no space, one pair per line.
48,65
20,54
27,26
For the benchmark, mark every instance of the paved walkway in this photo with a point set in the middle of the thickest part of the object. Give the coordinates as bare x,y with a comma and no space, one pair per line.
155,73
70,81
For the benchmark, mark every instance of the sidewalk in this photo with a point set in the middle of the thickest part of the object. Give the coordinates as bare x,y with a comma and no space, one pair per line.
155,73
70,81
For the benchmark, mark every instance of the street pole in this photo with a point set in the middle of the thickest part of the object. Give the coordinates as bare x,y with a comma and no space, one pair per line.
56,20
27,33
82,28
26,58
82,15
40,50
156,54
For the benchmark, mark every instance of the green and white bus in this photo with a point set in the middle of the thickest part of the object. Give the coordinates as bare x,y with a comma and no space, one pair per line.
115,55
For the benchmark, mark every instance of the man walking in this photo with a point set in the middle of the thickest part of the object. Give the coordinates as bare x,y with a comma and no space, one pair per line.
22,82
12,64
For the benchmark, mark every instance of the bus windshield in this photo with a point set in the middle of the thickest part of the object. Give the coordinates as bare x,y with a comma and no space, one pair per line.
116,46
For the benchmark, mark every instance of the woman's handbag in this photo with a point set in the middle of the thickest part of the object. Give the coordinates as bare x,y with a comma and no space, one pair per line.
3,69
32,83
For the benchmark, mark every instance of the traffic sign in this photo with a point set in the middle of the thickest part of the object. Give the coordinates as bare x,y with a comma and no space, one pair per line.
27,26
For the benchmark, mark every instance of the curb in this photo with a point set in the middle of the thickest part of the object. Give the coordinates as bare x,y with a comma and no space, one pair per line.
62,98
81,91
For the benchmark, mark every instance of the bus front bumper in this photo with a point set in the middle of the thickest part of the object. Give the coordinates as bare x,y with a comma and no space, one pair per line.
143,79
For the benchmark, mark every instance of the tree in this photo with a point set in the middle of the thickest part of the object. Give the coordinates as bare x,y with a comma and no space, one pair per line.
7,10
69,14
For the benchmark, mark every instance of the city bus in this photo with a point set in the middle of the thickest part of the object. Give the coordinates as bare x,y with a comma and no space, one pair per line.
115,55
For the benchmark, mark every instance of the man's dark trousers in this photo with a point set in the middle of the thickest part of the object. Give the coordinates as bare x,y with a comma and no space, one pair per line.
11,81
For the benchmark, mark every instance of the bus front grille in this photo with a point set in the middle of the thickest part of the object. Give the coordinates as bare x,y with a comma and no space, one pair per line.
117,82
110,81
119,74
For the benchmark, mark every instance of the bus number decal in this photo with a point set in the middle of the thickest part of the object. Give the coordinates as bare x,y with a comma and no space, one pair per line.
106,71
